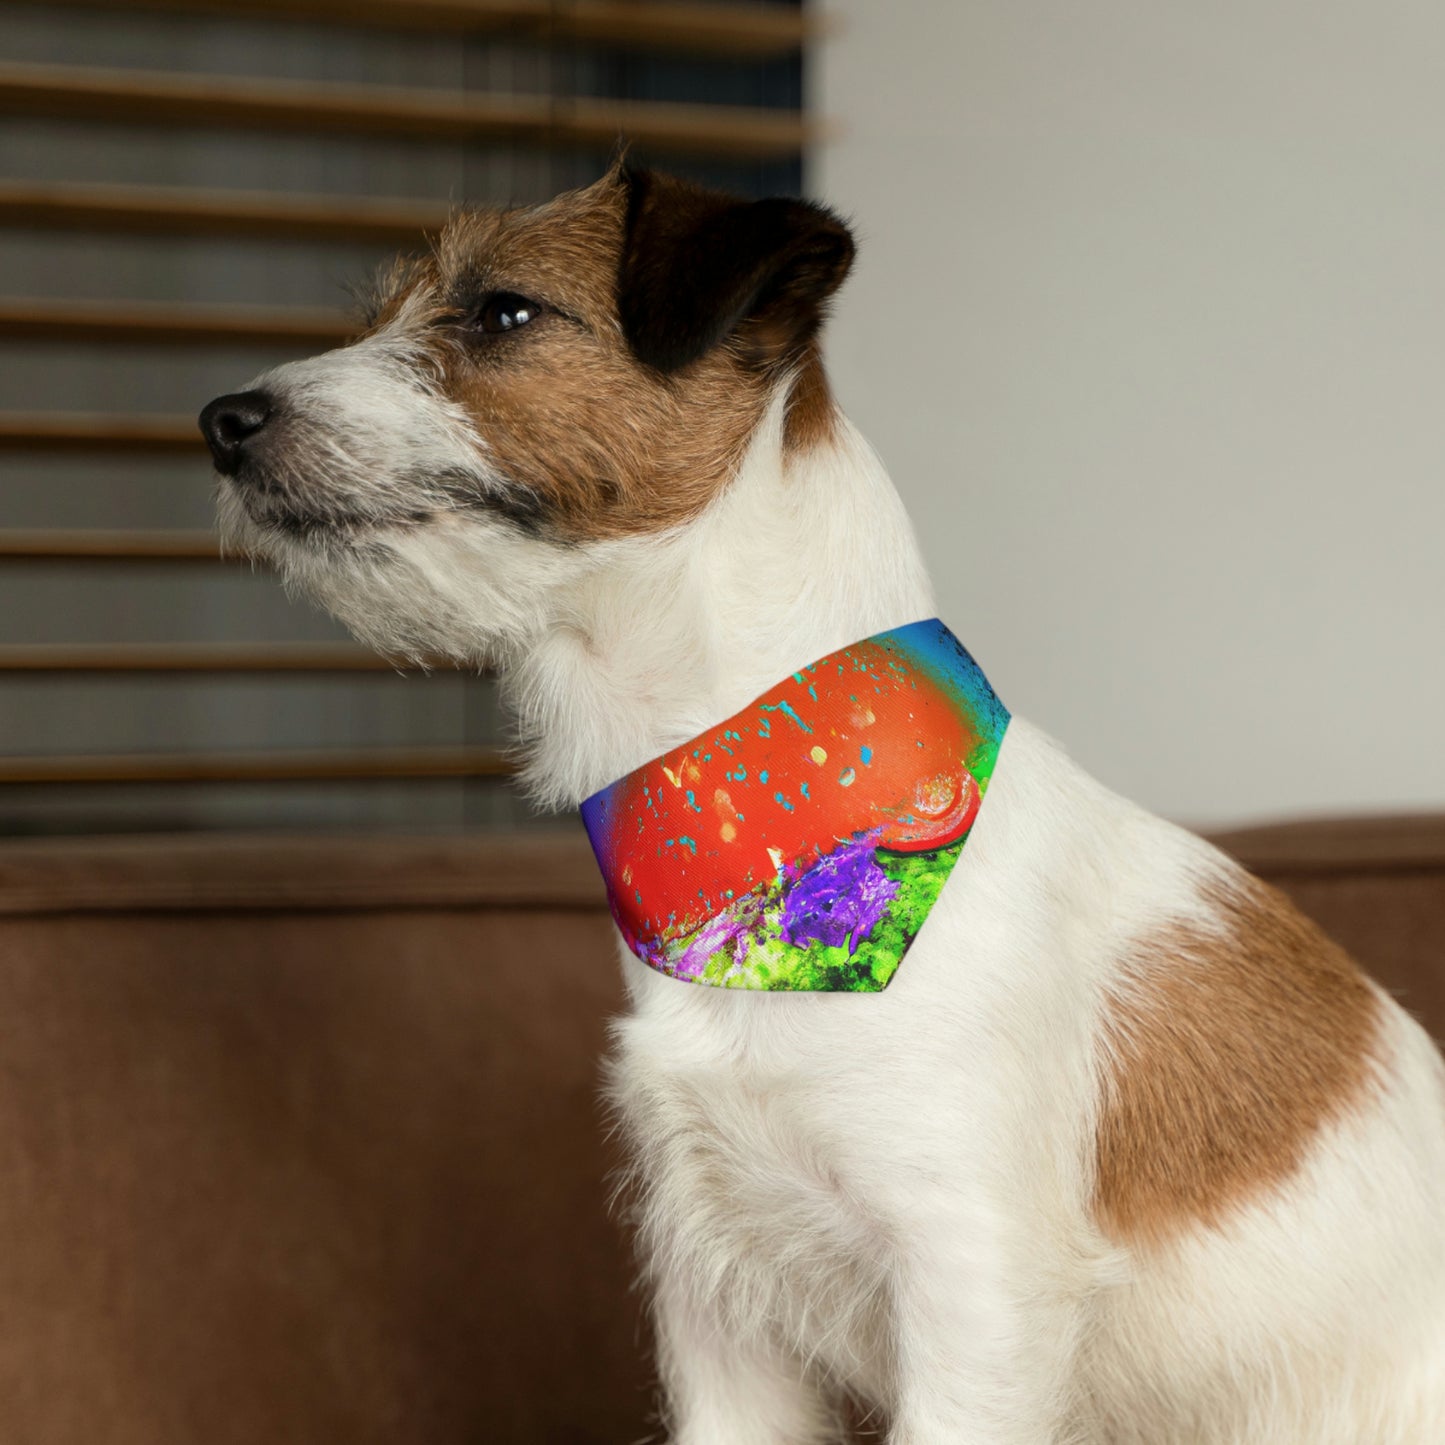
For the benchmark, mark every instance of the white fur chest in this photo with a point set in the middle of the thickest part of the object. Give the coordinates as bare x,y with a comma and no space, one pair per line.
749,1186
792,1148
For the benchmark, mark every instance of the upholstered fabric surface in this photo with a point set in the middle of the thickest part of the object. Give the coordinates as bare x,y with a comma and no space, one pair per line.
301,1143
300,1138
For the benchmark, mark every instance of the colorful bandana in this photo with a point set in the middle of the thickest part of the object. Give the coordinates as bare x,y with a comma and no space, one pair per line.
801,843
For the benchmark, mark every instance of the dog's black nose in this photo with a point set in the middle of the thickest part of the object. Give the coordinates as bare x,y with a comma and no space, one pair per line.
229,422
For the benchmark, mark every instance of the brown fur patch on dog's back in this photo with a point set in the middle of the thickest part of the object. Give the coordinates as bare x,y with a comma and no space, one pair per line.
1227,1052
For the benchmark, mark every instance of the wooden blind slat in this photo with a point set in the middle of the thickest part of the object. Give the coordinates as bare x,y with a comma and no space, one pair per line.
95,431
181,657
359,764
754,31
109,546
169,323
707,29
175,211
160,98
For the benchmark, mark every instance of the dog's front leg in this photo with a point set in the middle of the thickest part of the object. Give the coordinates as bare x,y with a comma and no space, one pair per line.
724,1387
985,1349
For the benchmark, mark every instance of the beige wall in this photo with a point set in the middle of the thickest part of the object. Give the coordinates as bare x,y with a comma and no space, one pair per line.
1149,324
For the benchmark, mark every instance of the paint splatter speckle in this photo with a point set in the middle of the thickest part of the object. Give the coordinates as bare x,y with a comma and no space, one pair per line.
838,901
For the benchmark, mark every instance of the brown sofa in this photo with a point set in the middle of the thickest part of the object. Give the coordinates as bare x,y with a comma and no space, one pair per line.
299,1139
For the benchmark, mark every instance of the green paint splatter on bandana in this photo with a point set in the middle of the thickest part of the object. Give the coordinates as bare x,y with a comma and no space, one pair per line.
757,955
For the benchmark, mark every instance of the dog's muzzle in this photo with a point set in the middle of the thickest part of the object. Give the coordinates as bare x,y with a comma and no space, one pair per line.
231,424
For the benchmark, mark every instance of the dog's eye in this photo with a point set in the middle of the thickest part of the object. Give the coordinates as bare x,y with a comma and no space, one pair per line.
505,311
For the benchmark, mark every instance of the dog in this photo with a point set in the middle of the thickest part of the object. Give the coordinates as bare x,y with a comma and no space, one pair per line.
1128,1153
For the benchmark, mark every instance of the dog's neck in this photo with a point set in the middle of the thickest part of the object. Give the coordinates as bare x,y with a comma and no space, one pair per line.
804,553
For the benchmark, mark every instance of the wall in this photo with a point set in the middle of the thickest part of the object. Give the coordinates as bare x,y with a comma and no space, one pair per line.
1149,324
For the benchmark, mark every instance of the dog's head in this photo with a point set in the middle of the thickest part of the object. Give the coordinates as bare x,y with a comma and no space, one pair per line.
545,382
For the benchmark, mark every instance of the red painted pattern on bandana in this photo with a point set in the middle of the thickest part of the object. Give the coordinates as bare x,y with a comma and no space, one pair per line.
786,779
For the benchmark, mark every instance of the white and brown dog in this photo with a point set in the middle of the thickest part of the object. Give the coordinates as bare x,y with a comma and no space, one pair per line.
1128,1152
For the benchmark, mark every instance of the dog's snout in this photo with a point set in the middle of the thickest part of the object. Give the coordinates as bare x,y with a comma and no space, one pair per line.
229,422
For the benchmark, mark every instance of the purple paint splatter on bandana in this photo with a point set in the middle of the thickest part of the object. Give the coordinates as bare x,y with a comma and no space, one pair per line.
839,899
733,927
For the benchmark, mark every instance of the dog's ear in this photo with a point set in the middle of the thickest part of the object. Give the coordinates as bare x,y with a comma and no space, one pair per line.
699,267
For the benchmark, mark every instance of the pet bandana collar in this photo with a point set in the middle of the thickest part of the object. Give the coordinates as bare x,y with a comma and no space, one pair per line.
801,843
